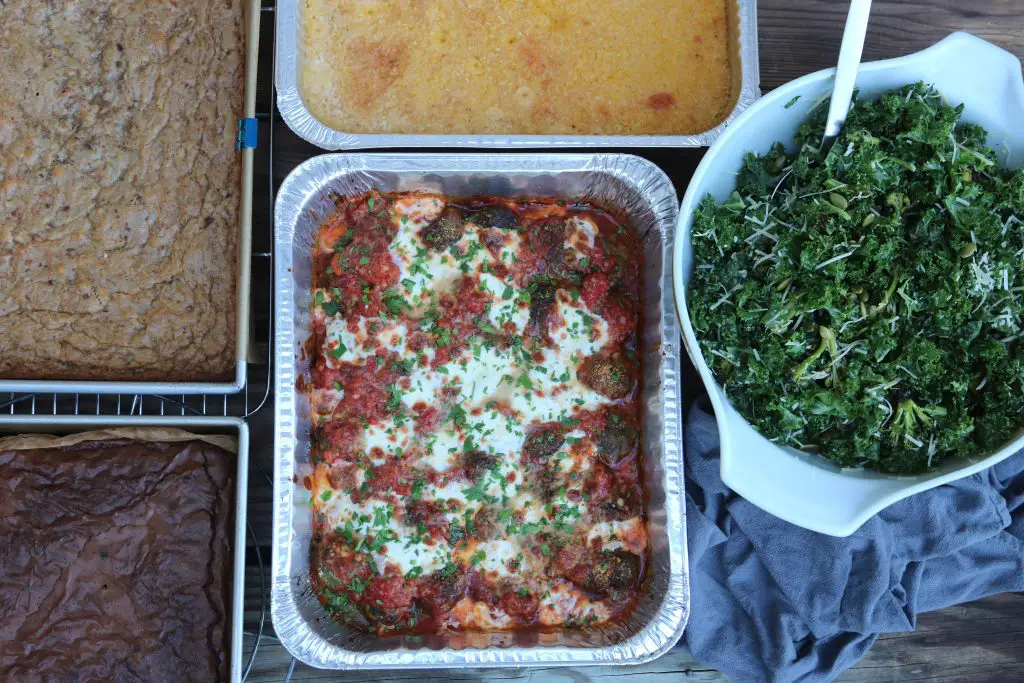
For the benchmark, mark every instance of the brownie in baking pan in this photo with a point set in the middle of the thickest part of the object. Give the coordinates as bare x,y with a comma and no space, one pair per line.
118,562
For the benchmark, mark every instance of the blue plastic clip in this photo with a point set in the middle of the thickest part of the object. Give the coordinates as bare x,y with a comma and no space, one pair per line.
246,134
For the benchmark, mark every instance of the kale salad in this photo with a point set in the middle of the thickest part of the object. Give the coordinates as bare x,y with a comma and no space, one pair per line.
864,301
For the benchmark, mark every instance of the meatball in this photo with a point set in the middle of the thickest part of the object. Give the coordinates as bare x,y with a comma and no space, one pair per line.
545,481
475,464
445,231
500,217
615,570
547,240
371,214
616,441
428,513
608,377
621,506
520,604
443,589
543,443
541,297
389,602
485,525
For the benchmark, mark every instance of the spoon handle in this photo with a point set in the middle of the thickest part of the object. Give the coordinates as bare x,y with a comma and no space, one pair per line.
849,63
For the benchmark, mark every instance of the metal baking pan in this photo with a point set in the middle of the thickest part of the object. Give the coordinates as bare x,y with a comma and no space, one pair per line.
17,424
300,120
252,28
642,193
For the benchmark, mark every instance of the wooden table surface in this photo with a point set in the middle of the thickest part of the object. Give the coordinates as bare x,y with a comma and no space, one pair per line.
981,641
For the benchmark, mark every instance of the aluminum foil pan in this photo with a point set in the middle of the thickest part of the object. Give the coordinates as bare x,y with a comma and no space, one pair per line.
242,274
644,195
45,424
300,120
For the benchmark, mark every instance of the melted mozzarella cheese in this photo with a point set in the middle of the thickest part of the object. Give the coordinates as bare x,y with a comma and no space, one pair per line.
421,270
491,556
529,506
424,386
418,210
509,252
629,534
442,449
358,345
564,602
580,235
479,371
411,555
554,388
388,438
508,305
363,519
341,345
453,491
497,433
469,613
575,329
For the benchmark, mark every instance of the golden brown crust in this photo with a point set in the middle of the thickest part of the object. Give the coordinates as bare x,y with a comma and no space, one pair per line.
119,189
588,67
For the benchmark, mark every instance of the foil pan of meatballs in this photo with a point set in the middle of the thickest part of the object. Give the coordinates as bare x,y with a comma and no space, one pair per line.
478,447
662,73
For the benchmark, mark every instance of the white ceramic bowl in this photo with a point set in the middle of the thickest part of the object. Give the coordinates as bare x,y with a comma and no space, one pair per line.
803,489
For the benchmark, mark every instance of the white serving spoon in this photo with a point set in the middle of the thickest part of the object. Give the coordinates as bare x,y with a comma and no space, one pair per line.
846,69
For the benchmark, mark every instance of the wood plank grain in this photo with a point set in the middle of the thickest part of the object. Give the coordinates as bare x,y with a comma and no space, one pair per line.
981,641
796,38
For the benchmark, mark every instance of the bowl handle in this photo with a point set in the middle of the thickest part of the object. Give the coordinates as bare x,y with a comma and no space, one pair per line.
986,78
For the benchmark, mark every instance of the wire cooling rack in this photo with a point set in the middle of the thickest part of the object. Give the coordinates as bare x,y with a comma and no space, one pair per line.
256,391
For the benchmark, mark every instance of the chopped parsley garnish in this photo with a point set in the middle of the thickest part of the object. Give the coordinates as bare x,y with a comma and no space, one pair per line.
394,398
478,557
328,306
524,381
478,491
457,415
485,326
326,494
395,303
